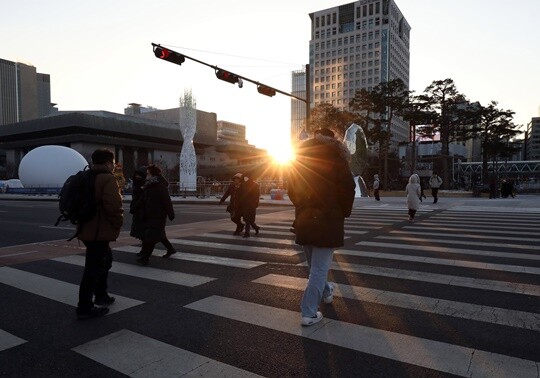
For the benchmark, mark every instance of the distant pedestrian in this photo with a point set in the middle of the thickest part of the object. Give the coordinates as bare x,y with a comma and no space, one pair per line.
96,234
233,208
422,195
322,190
136,207
157,206
413,192
435,183
249,201
376,186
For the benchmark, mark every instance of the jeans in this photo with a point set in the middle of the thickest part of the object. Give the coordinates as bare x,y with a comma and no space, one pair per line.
434,192
319,260
98,261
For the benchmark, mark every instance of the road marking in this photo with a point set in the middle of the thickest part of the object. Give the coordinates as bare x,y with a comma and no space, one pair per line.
414,350
462,251
489,219
207,259
18,254
468,236
447,262
136,355
446,241
261,239
495,315
468,230
236,248
56,290
474,283
7,340
60,228
468,209
149,273
478,226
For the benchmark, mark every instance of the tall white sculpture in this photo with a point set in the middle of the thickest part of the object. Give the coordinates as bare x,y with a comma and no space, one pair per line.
188,158
356,143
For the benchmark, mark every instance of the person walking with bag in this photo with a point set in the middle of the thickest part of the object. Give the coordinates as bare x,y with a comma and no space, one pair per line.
435,183
413,192
322,190
96,234
157,207
234,208
249,201
136,207
376,186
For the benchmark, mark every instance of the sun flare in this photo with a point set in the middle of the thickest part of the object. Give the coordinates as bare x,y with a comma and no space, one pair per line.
282,155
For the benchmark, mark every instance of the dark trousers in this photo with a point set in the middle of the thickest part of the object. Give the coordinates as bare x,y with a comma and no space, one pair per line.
149,245
98,261
249,218
412,213
434,192
376,194
237,219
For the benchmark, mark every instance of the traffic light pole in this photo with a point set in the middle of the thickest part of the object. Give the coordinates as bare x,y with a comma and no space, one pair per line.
265,88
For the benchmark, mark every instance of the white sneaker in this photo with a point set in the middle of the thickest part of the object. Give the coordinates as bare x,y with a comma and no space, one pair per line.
307,321
330,297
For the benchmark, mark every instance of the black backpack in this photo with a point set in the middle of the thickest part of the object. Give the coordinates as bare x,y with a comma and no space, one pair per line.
77,199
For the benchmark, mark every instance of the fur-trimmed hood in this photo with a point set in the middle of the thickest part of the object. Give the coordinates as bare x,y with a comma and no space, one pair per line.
319,139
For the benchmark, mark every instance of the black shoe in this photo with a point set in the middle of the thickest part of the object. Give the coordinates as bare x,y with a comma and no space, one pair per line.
246,235
257,230
139,254
169,253
104,301
143,260
94,312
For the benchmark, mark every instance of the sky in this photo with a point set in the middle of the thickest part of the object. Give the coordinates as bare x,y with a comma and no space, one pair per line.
99,53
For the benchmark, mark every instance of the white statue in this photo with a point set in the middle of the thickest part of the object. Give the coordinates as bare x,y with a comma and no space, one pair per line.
188,158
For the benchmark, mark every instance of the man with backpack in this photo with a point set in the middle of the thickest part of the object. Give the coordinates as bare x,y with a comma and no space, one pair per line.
96,234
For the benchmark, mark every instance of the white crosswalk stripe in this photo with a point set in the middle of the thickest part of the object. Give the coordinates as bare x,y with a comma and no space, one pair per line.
428,254
7,340
431,354
54,289
136,355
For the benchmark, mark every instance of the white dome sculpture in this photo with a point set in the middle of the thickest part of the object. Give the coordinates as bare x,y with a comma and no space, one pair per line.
50,166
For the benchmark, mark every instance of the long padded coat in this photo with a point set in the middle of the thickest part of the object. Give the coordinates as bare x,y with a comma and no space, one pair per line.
322,190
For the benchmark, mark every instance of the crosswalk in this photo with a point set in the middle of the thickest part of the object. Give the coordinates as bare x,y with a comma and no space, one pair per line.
457,292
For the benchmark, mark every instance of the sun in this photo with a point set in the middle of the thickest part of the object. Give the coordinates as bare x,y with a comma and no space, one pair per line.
282,155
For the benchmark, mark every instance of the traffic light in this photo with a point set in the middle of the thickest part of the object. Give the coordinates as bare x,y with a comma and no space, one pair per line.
267,91
169,55
228,77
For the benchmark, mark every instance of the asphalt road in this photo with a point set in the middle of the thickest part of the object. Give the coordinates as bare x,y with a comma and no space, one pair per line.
455,294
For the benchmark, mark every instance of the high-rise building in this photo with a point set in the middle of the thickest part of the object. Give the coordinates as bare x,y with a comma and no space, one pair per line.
532,147
298,108
24,93
358,45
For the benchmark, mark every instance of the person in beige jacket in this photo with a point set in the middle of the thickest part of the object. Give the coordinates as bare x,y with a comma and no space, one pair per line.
96,234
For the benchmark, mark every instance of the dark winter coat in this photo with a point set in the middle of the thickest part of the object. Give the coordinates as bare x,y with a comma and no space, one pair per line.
136,207
249,196
106,224
234,205
322,190
157,206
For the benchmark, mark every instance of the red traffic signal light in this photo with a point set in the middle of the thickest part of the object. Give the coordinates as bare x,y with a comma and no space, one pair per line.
267,91
169,55
227,76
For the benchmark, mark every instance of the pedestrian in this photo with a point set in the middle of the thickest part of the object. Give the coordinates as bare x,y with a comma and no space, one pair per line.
435,183
136,207
413,192
233,208
322,190
249,201
96,234
157,206
376,186
422,195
